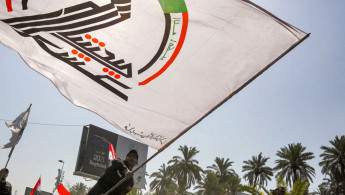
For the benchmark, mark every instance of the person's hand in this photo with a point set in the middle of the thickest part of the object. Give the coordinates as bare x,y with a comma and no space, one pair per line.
128,173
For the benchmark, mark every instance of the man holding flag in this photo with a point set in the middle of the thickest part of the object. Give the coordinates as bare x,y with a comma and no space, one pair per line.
117,171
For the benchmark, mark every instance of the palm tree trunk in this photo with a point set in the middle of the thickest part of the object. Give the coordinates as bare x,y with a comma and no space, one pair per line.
295,178
343,175
344,186
256,177
182,185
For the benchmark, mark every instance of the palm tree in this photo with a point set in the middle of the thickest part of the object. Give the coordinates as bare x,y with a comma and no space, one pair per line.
162,183
209,185
333,162
222,170
299,188
330,186
292,163
79,189
232,185
186,169
256,170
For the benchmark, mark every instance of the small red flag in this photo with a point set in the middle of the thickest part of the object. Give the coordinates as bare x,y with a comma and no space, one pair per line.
112,154
61,190
37,188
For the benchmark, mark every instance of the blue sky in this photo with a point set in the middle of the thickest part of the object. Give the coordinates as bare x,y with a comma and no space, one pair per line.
299,99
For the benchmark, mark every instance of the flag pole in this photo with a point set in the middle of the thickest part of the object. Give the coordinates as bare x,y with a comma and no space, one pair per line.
9,155
226,99
20,134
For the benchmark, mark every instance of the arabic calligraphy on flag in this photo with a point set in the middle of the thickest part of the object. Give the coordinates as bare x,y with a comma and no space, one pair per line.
151,68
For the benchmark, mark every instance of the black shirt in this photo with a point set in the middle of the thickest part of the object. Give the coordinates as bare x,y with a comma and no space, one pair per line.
5,188
112,175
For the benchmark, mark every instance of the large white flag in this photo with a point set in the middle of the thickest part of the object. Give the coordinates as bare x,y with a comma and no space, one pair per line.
17,128
152,68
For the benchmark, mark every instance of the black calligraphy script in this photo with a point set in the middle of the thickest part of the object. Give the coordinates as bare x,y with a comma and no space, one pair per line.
68,25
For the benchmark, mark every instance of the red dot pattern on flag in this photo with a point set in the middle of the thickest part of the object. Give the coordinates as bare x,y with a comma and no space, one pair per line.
95,40
87,36
75,52
80,55
87,59
101,44
111,73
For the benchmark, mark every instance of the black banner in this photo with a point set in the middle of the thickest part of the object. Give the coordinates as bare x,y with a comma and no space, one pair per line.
93,157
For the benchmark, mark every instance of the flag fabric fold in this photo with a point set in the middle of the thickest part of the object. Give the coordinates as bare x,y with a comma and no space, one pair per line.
17,128
37,189
151,68
61,190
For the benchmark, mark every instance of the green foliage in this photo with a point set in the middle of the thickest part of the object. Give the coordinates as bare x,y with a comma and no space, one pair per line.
281,183
163,183
292,164
330,186
185,169
292,169
252,190
222,169
135,191
79,189
209,185
299,188
256,170
333,165
232,185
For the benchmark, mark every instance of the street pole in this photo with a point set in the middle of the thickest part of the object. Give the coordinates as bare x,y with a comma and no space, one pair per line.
59,178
